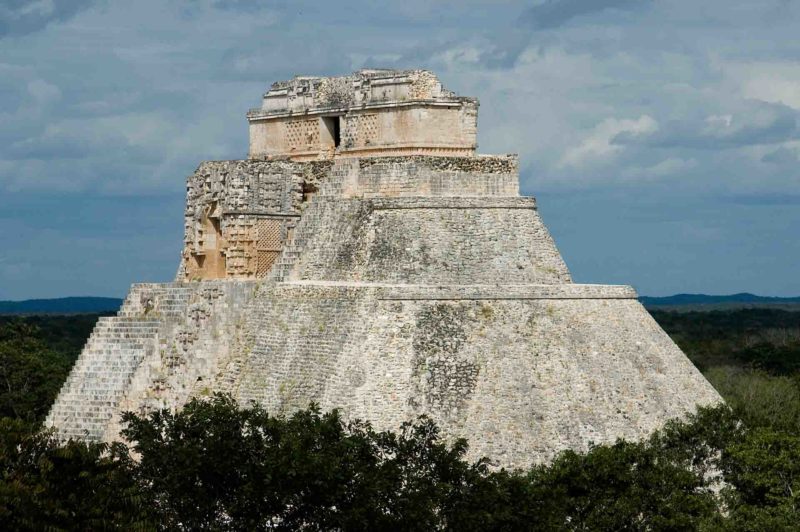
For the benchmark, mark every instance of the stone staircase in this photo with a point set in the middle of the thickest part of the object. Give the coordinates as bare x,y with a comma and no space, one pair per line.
303,231
113,352
329,189
161,300
283,267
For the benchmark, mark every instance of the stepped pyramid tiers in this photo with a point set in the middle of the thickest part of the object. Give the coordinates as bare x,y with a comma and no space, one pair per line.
365,258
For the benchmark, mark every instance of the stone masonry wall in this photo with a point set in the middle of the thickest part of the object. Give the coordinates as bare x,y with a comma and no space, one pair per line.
187,353
102,374
162,347
238,216
247,186
369,113
431,240
409,286
519,375
425,176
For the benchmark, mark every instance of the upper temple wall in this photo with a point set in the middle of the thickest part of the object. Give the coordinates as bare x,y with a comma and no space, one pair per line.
372,112
240,214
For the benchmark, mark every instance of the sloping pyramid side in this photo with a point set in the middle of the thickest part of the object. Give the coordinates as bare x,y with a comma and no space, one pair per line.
460,309
411,286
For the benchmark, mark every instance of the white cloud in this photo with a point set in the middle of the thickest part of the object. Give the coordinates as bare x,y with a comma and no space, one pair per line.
753,123
597,147
770,81
43,93
672,168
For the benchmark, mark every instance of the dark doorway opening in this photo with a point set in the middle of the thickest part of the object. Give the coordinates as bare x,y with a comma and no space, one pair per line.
333,127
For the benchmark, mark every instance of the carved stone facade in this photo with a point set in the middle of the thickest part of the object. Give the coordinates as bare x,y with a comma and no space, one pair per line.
386,285
369,113
240,214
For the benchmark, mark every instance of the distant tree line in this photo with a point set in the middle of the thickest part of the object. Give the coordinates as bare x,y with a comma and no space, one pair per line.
217,465
757,338
751,356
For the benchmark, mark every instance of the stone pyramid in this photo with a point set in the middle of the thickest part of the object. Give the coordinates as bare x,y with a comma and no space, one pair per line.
365,258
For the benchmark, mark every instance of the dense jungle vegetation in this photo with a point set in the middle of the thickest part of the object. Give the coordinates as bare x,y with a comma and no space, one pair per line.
217,465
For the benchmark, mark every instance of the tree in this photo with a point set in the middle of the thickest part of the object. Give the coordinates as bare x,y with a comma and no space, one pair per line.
763,471
47,485
625,486
30,374
216,466
760,399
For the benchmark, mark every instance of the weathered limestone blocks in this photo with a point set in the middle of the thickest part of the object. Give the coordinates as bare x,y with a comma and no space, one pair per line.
155,353
522,372
103,372
247,186
188,350
371,112
328,269
431,240
417,176
241,214
478,292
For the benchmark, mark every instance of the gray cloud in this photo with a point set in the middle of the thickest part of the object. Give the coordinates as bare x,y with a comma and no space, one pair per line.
555,13
20,17
763,199
782,156
120,108
758,123
76,144
249,6
50,147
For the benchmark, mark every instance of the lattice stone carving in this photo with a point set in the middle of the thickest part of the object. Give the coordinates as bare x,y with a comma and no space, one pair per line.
268,243
264,262
361,130
302,134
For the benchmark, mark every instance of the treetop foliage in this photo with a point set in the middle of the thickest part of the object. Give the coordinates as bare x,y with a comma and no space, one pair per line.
218,466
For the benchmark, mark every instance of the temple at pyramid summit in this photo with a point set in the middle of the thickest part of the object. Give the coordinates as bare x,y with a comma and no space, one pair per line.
364,257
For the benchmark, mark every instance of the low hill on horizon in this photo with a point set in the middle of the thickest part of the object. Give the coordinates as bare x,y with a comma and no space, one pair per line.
709,302
62,305
88,305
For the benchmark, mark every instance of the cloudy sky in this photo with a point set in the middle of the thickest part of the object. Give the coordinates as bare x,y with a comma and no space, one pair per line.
661,137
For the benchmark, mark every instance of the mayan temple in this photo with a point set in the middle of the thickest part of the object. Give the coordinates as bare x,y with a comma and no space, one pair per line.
366,258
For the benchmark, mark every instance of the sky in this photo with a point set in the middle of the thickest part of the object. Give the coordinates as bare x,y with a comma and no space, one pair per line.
661,138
